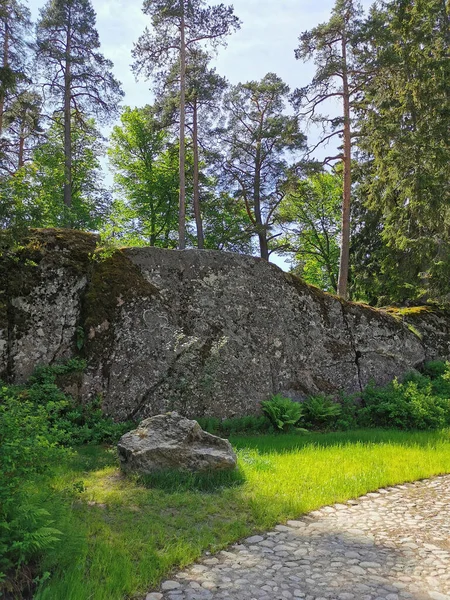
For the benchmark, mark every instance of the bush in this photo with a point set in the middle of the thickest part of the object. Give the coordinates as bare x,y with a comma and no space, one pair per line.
435,368
71,423
235,425
408,405
320,412
27,450
348,417
38,424
284,413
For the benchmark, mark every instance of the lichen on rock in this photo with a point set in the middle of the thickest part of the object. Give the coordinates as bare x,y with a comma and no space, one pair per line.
200,332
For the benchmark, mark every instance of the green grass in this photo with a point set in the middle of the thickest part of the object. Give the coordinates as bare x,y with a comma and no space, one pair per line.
123,535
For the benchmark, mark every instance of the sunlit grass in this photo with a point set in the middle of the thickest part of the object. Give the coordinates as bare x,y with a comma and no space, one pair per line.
122,535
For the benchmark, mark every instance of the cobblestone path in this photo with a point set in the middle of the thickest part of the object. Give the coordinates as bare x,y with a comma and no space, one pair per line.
388,545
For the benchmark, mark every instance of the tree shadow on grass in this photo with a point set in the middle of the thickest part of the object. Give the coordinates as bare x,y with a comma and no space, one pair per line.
185,481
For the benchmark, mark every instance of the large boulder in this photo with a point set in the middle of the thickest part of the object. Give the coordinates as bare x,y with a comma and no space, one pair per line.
171,441
202,332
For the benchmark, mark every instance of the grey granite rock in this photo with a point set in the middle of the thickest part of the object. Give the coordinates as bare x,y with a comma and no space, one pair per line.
171,441
205,333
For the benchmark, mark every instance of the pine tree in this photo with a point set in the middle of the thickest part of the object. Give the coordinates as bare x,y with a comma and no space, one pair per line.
23,127
204,90
255,146
177,26
339,75
78,78
15,24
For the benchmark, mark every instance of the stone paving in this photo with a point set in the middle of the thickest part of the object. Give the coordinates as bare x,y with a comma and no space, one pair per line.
393,544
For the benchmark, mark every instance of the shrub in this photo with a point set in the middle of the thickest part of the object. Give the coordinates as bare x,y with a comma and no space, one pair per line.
27,451
408,405
282,412
235,425
348,417
38,423
320,411
435,368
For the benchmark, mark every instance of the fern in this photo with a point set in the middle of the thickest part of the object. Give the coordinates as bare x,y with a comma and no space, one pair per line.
283,412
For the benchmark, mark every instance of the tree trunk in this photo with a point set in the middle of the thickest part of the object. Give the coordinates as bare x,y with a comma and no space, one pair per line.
21,160
261,230
197,212
182,206
67,124
345,243
5,65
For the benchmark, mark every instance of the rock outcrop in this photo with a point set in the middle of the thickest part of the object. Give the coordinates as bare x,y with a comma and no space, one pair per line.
171,441
200,332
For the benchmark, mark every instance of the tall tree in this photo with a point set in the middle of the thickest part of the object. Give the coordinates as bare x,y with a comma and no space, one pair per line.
405,143
15,24
34,192
145,166
255,146
22,122
78,77
334,48
226,225
178,25
204,90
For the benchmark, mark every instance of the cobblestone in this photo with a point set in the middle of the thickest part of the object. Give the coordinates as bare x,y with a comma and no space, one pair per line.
393,544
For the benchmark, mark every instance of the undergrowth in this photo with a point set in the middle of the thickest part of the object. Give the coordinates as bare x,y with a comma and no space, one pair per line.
72,526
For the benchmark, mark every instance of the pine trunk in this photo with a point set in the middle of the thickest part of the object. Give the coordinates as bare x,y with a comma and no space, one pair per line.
197,212
346,199
182,206
261,230
5,54
67,124
21,159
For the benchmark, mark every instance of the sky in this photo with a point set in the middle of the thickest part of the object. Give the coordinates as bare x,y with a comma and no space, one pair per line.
265,43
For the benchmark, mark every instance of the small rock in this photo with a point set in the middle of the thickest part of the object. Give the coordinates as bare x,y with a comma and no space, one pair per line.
254,539
168,585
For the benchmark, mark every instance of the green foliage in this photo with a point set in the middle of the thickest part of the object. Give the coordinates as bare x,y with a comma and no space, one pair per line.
348,417
310,216
66,37
404,118
408,405
256,149
27,450
320,412
146,175
235,425
71,423
284,413
37,424
34,196
436,368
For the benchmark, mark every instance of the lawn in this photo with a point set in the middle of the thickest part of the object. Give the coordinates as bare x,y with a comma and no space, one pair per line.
123,535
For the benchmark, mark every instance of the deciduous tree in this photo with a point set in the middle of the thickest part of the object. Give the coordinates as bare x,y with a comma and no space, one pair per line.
310,217
145,165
